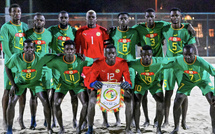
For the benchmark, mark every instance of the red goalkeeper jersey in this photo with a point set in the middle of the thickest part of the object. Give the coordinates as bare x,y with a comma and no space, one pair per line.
101,71
89,41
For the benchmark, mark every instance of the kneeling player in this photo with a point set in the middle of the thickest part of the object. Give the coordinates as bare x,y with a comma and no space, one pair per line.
70,67
110,68
146,69
194,71
29,66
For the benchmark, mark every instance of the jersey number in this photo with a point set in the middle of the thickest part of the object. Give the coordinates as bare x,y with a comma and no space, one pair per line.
174,46
39,48
148,78
152,41
124,48
92,39
21,42
72,77
110,76
28,75
138,88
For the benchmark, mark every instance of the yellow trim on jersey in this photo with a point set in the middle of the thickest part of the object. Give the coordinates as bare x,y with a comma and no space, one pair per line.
37,32
69,62
63,29
26,60
145,65
15,24
178,28
122,31
148,27
190,63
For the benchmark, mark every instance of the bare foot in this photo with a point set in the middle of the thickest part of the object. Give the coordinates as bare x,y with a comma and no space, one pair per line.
21,123
165,124
74,123
105,124
117,123
184,126
146,124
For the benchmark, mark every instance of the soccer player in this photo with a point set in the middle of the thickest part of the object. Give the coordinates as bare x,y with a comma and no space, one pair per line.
42,38
70,67
12,33
176,36
146,69
90,38
194,71
110,68
29,69
61,33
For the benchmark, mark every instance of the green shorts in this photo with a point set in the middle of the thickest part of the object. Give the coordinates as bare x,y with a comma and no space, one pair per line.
132,77
46,78
35,89
62,88
56,77
7,83
154,87
170,79
186,86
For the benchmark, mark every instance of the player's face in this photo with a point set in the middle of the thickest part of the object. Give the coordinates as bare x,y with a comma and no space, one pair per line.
15,13
189,55
175,17
150,17
39,21
28,48
146,56
69,50
110,54
123,20
63,18
91,18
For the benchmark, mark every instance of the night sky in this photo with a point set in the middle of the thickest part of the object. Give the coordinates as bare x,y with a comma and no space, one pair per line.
113,5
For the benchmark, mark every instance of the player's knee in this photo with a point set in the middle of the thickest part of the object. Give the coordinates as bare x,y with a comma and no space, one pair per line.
45,103
92,101
57,104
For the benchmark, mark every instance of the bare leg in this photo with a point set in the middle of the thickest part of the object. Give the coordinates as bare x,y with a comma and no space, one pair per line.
74,101
167,104
84,100
128,111
105,122
184,113
212,110
33,108
145,109
58,98
51,102
22,101
137,113
118,121
5,99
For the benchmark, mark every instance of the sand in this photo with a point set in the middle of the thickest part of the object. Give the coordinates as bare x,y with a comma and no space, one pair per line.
198,118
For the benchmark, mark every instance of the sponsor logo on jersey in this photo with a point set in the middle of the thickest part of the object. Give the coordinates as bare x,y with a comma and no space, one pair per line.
124,40
71,71
28,70
20,35
174,38
40,42
117,70
147,73
152,35
98,33
63,38
190,72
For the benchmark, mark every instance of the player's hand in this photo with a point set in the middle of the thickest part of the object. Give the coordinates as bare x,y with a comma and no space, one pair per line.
96,85
82,56
125,85
191,30
13,90
111,29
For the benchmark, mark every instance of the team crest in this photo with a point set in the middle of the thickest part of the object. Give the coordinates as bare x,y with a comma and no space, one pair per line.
110,94
117,70
98,33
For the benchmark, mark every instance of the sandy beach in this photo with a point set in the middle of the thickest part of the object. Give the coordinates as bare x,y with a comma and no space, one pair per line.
198,118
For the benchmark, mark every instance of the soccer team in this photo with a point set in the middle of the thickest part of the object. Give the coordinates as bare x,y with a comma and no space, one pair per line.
60,59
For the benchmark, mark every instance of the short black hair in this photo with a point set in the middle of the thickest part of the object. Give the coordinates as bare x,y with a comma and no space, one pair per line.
38,14
175,9
61,12
150,10
189,47
69,42
146,47
29,41
122,13
13,6
108,42
110,46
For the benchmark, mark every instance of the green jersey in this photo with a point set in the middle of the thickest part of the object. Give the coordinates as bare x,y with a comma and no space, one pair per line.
28,73
13,37
70,72
60,36
152,36
197,71
125,42
176,39
42,40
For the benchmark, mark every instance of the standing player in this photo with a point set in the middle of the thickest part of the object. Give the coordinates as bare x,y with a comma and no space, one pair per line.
12,33
29,69
194,71
176,36
70,67
42,39
125,40
61,33
90,38
146,79
110,68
